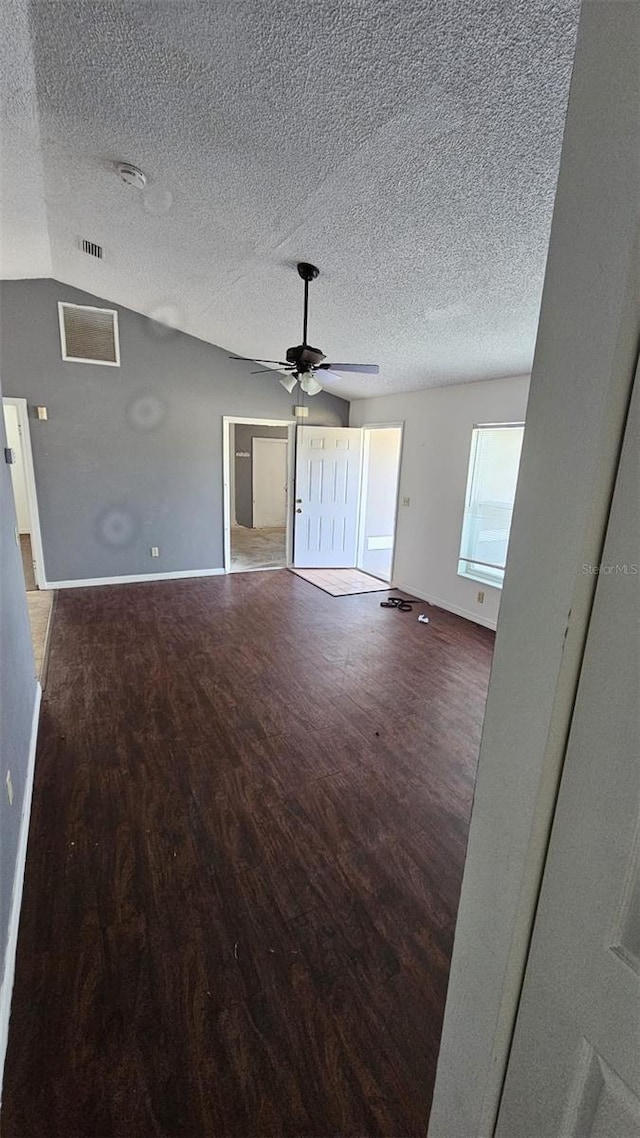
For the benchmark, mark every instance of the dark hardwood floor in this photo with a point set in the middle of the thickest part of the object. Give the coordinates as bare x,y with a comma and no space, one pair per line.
248,830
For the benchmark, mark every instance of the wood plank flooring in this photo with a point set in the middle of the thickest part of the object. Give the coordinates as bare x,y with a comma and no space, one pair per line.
249,824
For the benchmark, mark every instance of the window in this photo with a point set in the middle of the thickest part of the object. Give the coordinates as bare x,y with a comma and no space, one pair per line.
491,489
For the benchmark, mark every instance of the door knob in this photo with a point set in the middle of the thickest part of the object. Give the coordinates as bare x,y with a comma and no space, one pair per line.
298,511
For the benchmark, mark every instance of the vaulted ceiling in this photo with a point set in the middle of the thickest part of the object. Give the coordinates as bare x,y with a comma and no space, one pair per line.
409,148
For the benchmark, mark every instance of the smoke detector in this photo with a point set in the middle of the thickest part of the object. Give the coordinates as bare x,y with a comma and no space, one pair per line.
131,175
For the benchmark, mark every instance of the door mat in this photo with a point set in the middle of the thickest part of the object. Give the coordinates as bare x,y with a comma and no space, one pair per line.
342,582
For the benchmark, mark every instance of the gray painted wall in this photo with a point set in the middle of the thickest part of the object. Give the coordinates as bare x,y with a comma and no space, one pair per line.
17,694
244,436
130,457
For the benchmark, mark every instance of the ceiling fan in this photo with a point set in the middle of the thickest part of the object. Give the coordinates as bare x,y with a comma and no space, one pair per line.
303,362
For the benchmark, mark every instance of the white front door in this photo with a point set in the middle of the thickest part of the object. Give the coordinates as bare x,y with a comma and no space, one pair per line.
328,462
574,1069
269,473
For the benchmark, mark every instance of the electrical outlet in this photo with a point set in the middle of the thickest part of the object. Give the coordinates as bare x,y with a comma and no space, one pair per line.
480,598
406,501
155,552
9,788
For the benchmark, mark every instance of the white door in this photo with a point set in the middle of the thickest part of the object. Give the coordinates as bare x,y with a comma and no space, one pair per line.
574,1069
18,472
328,461
269,461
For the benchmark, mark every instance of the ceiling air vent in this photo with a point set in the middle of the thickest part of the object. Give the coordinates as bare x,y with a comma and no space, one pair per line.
91,248
89,335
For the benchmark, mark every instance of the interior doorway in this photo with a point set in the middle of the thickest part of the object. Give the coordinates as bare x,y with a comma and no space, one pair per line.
16,421
382,447
258,491
27,532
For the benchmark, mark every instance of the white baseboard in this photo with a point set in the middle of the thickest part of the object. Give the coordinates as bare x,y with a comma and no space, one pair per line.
18,882
486,622
133,579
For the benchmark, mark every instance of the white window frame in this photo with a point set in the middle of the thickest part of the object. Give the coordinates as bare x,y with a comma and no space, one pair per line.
62,304
482,572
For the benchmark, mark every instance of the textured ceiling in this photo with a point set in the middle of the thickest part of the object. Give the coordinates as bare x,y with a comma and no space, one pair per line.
409,148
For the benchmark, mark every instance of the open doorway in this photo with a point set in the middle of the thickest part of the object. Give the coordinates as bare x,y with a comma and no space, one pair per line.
382,447
39,598
258,473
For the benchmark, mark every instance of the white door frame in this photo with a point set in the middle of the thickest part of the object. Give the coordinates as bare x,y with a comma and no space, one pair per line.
578,400
366,429
290,424
263,439
22,412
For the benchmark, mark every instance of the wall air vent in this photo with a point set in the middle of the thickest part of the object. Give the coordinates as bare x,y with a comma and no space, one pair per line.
89,335
91,249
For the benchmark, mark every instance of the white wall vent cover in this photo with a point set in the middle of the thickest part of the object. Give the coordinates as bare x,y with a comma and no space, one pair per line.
89,335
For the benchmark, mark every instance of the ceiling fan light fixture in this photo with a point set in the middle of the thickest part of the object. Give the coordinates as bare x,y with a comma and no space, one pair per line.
289,381
309,384
302,360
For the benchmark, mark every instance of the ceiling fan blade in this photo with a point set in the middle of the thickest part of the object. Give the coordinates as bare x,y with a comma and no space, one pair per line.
365,369
264,371
252,360
330,375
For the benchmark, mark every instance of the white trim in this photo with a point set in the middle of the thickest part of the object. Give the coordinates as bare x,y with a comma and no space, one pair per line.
362,504
133,579
261,569
253,422
482,578
18,882
62,304
290,424
447,606
22,411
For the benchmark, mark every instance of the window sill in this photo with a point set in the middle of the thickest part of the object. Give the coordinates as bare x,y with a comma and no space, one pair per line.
483,577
